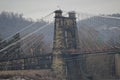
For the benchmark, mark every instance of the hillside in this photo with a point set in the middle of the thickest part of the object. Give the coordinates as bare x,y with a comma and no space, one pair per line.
106,28
10,23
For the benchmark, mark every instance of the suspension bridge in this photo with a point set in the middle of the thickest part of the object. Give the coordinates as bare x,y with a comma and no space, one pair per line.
71,46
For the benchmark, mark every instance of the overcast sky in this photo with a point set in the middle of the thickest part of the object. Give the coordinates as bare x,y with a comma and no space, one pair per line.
38,8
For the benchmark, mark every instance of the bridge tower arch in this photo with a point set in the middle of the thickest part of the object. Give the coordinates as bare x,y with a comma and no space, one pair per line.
65,38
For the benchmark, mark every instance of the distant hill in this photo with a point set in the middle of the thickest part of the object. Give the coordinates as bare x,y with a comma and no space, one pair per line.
108,28
115,15
100,22
10,23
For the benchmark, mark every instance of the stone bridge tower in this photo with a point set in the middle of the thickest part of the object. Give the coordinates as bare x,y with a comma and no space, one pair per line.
65,38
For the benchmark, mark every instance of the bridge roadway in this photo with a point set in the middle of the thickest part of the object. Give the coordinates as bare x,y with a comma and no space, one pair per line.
71,53
24,57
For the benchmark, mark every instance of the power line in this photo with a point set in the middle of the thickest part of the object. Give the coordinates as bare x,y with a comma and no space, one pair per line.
23,38
26,27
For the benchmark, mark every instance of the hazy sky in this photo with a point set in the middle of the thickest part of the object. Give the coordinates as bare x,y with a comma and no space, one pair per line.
38,8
